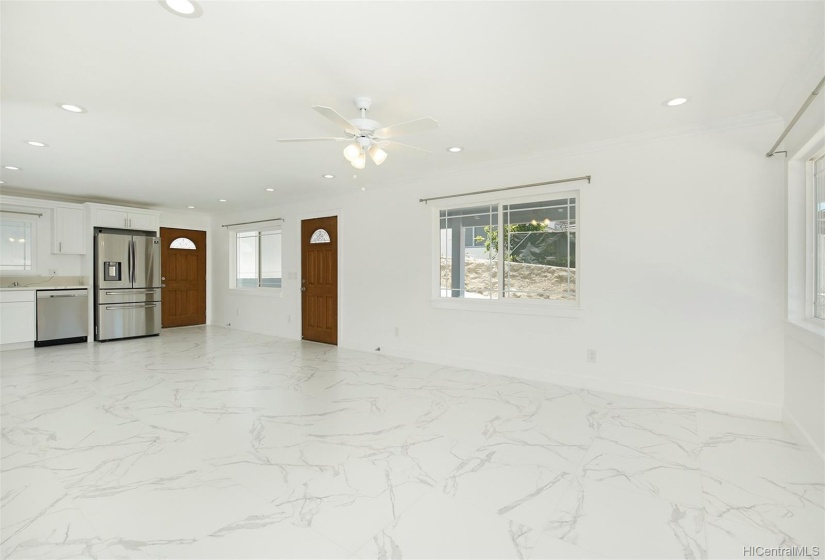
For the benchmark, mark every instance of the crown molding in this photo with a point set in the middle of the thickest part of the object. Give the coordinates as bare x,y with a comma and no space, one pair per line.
35,194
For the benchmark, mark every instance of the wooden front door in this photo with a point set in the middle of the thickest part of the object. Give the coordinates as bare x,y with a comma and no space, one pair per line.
183,268
319,280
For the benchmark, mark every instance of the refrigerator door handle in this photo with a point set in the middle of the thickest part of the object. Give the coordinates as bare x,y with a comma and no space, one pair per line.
132,262
131,306
130,292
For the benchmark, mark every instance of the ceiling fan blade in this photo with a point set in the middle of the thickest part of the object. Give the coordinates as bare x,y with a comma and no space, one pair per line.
394,143
335,117
418,125
318,139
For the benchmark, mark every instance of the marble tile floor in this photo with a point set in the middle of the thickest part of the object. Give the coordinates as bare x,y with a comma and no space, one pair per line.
212,443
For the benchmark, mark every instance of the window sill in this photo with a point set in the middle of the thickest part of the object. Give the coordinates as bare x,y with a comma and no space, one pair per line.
511,307
810,332
257,292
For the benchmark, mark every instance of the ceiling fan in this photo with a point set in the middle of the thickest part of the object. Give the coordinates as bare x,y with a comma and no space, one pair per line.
366,136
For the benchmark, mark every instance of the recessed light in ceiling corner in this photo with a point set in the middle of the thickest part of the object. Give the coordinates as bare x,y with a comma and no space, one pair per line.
191,207
37,144
183,8
363,188
328,176
71,108
221,200
676,101
454,149
11,168
270,190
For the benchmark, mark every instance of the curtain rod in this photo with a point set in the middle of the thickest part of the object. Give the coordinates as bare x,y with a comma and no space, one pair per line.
255,222
26,213
583,178
805,105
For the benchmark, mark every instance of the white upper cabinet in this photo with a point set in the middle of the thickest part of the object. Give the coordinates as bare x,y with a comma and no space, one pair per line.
125,218
68,231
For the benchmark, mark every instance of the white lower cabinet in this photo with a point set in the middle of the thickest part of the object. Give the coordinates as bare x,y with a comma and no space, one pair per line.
17,317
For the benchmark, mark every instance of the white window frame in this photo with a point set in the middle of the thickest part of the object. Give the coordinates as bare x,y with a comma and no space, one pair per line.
516,306
801,236
33,220
811,241
233,259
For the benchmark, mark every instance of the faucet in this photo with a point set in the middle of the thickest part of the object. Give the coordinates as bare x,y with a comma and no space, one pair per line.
15,284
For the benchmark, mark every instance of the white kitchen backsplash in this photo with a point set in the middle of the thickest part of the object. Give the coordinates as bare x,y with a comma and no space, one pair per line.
42,281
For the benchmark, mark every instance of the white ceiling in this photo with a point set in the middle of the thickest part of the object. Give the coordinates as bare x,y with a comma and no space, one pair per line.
186,111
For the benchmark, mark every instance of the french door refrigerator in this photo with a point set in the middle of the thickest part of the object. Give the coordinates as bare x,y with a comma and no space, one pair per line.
127,284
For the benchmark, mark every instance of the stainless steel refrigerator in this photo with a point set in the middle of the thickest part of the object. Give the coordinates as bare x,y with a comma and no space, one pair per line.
127,284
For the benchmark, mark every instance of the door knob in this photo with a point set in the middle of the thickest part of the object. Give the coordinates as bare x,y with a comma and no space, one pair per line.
163,277
303,288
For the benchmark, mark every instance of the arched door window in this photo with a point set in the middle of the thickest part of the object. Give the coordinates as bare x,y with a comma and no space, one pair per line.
182,243
319,236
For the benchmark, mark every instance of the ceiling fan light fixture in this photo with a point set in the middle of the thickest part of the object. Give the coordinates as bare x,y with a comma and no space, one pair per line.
377,155
360,162
352,151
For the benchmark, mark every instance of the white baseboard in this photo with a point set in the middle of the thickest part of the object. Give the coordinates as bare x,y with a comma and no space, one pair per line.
801,433
754,409
16,346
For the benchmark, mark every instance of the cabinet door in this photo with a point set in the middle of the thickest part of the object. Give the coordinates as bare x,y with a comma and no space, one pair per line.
110,218
144,222
68,236
16,322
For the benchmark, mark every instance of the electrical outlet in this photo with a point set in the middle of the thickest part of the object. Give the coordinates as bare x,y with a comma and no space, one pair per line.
591,355
52,272
237,313
289,318
396,331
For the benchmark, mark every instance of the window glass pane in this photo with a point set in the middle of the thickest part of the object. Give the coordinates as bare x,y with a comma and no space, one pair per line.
319,236
16,245
540,250
271,259
182,243
469,268
819,232
246,256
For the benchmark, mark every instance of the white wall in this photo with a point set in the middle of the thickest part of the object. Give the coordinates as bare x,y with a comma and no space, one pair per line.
682,277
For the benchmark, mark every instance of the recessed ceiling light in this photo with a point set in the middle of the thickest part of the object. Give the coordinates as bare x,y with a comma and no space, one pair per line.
11,167
676,101
328,176
1,182
71,108
183,8
221,200
37,144
363,188
270,190
455,149
191,207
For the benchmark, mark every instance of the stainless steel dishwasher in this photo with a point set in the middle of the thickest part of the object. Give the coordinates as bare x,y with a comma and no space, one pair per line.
62,316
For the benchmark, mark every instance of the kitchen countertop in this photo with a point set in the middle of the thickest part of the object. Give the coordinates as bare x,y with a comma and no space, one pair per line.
35,288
